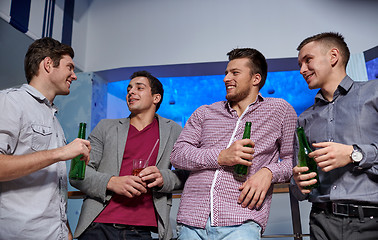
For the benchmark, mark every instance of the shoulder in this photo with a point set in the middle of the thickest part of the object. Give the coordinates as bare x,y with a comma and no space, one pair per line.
109,123
168,122
368,85
278,104
16,99
12,93
211,108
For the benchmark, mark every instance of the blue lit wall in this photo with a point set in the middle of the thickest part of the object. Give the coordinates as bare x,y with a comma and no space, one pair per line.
183,95
372,69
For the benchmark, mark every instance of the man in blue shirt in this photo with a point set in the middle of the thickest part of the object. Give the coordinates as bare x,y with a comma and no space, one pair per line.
342,127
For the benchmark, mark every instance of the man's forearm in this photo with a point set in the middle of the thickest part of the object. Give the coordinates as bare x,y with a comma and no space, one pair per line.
16,166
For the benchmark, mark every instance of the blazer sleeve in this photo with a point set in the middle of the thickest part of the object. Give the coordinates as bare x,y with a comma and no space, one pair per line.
95,183
173,179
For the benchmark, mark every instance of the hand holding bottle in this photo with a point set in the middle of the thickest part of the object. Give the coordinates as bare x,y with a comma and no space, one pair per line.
306,173
303,179
77,170
75,148
237,153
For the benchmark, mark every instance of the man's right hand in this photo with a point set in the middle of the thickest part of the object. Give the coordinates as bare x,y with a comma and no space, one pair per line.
237,153
75,148
303,180
129,186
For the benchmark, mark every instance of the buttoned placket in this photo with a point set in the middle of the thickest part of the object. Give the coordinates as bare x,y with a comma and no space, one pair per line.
331,126
213,215
62,181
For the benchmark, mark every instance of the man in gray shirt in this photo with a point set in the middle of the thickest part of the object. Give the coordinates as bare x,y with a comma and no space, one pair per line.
342,127
33,178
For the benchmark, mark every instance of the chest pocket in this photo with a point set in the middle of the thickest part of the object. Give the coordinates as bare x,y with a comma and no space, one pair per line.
41,137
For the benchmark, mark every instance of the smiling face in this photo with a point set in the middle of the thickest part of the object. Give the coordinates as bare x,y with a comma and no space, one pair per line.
139,97
62,76
238,80
315,63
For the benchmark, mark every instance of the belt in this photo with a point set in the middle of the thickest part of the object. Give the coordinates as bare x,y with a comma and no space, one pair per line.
347,209
133,227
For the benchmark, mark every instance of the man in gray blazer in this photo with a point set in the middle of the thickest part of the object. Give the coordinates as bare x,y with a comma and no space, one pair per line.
119,205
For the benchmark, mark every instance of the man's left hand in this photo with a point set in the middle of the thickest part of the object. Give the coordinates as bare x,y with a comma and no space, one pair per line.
152,176
255,188
331,155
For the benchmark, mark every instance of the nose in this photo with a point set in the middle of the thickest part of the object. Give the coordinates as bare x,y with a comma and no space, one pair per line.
130,91
73,76
303,69
226,77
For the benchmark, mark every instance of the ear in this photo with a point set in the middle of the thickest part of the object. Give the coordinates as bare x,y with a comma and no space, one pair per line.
256,79
47,64
157,98
334,56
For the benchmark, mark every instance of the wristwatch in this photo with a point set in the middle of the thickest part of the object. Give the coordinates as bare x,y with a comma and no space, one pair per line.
356,155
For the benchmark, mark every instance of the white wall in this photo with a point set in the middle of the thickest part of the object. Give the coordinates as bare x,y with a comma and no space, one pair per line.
141,33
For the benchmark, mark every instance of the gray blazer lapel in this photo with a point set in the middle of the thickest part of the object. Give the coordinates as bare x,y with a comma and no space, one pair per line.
164,132
122,131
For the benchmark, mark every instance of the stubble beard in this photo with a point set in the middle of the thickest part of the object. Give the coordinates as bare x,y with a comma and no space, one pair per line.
237,97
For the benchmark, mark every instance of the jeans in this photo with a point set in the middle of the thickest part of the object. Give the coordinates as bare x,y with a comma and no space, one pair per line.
107,231
248,230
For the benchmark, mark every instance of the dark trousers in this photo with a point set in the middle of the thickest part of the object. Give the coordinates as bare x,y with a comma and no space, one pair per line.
105,231
325,225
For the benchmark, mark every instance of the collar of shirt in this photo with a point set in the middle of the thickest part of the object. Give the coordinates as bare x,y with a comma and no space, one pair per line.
233,111
343,88
39,96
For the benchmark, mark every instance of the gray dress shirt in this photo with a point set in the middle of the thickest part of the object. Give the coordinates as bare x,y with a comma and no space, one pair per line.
33,206
350,118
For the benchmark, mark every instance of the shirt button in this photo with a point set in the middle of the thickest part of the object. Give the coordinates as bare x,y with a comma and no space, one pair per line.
334,187
330,140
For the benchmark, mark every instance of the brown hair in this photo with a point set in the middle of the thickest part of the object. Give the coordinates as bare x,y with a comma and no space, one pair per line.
330,40
39,50
257,61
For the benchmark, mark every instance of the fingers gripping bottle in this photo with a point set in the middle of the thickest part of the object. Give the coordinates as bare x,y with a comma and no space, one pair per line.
77,170
239,169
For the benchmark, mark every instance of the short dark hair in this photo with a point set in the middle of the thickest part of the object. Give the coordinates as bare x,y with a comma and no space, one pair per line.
39,50
155,84
257,61
330,40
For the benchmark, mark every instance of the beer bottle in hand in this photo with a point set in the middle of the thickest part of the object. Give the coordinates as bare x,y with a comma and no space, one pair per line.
239,169
303,159
77,170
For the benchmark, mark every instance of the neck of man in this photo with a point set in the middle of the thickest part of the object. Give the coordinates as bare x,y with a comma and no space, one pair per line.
43,88
242,105
328,89
141,120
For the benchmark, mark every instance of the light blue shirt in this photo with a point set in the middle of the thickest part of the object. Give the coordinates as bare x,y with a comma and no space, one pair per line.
350,118
33,206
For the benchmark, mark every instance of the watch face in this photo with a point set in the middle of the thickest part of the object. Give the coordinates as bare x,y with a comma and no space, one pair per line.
356,156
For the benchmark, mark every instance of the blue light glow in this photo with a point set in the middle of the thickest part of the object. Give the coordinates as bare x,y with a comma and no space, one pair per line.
183,95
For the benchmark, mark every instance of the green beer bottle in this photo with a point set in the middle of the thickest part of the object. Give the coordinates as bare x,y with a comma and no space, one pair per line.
304,160
239,169
77,170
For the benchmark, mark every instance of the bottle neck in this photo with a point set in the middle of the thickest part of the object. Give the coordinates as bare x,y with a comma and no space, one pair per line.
303,141
82,128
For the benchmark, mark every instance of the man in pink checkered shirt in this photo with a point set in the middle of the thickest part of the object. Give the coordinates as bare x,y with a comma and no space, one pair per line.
216,203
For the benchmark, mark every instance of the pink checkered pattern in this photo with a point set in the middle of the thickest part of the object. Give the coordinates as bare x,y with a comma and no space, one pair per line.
207,132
